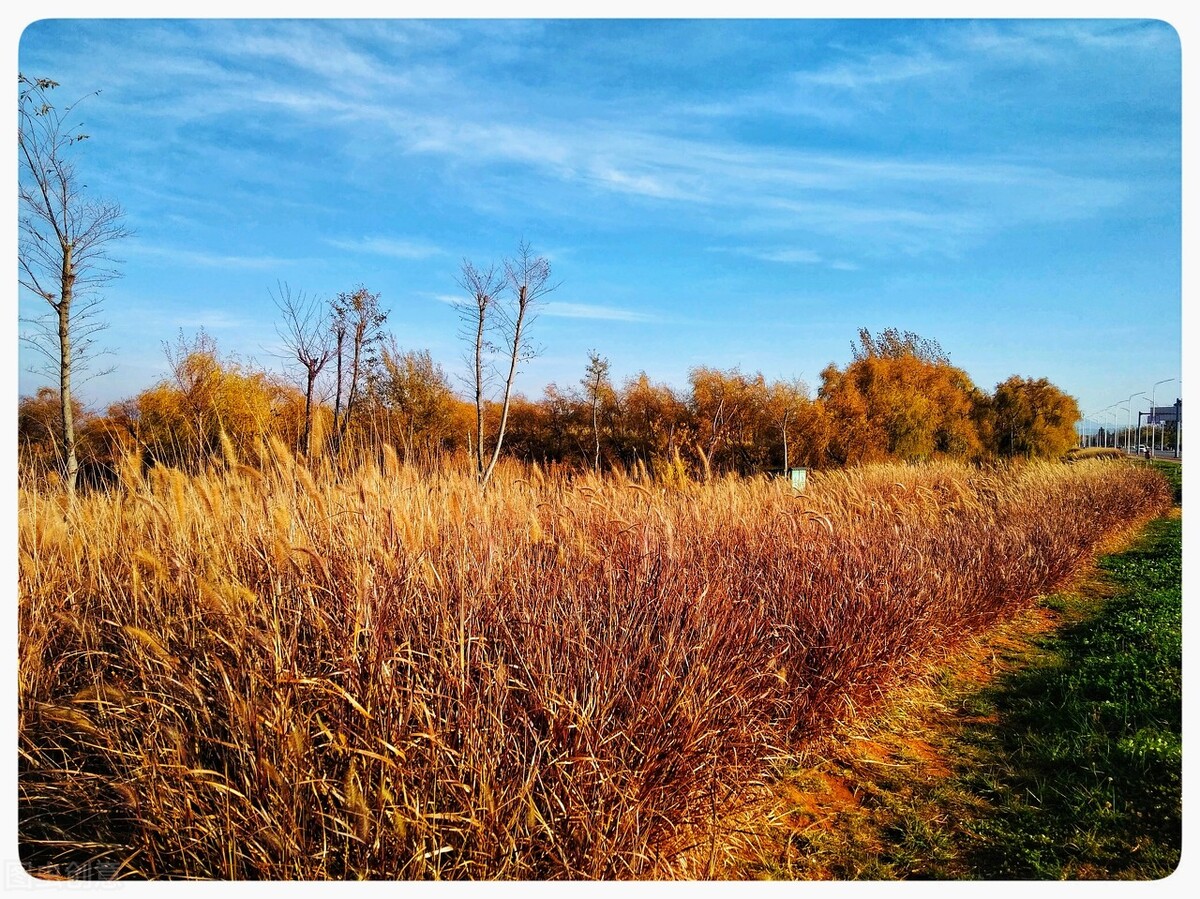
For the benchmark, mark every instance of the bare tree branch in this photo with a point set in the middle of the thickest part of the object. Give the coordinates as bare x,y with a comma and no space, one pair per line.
526,280
308,337
482,286
62,247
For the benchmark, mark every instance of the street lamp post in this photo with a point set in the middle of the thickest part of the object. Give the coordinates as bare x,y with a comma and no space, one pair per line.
1082,427
1129,416
1094,417
1152,389
1111,412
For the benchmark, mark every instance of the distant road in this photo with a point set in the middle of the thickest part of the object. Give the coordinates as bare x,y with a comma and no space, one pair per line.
1163,455
1167,455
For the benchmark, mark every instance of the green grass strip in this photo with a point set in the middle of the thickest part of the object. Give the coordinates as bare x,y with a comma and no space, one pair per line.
1087,778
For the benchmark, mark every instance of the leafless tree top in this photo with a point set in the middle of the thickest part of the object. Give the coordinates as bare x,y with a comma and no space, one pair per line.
305,330
56,213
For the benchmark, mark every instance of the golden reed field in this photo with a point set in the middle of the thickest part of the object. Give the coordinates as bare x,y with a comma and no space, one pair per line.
266,672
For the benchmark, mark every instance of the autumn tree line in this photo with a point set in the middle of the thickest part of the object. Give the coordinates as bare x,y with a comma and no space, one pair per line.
356,390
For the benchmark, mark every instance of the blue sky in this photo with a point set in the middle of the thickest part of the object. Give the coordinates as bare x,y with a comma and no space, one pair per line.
725,193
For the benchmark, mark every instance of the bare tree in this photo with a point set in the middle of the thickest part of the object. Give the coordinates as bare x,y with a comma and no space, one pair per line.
308,338
357,319
62,247
525,281
483,286
594,382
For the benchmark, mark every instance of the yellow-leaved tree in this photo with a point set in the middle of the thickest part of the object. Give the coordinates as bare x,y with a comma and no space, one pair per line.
900,398
1033,418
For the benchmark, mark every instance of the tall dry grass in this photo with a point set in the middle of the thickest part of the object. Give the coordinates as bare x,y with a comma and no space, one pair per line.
264,672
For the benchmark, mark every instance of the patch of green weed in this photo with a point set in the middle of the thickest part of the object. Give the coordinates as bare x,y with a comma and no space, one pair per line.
1086,773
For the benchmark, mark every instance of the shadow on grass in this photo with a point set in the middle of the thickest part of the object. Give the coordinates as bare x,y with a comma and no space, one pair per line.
1086,752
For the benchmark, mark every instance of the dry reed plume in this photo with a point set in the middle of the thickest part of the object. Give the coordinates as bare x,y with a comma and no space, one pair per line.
267,672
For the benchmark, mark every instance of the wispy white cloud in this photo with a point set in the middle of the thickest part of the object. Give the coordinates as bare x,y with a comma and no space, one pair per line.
851,196
787,255
990,42
855,197
911,200
395,248
595,311
561,309
644,185
550,145
557,309
300,102
322,51
791,257
1047,42
207,260
876,70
